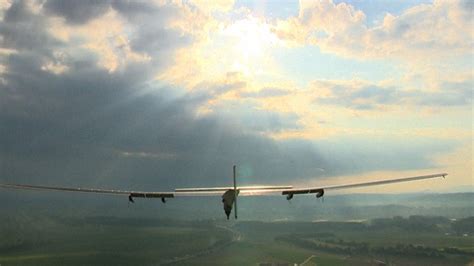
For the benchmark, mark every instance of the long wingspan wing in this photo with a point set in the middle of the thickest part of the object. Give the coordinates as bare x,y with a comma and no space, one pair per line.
353,185
211,191
243,191
135,194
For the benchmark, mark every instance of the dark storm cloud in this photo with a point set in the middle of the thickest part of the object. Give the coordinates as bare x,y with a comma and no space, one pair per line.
77,12
86,130
141,13
249,116
152,33
151,36
268,121
206,91
150,23
23,30
89,126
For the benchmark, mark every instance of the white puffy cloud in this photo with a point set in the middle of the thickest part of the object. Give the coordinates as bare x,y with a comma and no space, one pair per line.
422,32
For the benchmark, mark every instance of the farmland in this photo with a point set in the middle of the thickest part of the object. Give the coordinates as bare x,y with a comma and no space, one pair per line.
124,241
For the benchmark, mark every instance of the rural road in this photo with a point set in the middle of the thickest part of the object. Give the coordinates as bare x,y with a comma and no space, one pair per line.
307,260
236,236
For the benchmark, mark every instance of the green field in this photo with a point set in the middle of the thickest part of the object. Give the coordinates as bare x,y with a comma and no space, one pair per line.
46,240
99,242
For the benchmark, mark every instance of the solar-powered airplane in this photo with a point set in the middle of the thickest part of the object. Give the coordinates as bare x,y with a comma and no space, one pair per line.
229,196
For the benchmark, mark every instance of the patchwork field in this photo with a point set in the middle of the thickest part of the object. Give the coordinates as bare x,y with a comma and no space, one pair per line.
45,240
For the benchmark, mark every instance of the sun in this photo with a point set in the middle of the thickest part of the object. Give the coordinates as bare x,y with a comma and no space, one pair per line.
245,46
250,36
249,43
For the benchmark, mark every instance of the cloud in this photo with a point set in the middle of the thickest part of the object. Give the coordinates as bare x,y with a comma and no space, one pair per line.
361,98
114,33
153,25
422,32
112,132
266,92
21,29
231,82
450,94
75,128
77,12
250,117
89,124
219,6
369,96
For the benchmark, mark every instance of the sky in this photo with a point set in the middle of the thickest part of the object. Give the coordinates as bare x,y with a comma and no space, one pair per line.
153,95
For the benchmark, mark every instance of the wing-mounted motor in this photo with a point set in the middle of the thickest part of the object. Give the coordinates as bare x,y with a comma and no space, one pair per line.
163,196
320,193
290,193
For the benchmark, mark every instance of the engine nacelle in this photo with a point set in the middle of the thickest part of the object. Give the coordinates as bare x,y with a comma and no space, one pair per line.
320,193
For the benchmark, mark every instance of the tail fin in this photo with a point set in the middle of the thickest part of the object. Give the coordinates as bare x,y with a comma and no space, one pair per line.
235,194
